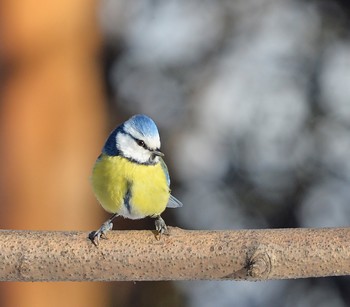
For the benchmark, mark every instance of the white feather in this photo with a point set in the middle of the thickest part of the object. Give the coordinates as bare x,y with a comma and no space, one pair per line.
130,149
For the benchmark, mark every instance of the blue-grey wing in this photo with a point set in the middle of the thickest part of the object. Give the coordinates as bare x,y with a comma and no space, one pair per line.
165,169
173,202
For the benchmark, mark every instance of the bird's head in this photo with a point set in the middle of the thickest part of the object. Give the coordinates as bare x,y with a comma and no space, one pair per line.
137,139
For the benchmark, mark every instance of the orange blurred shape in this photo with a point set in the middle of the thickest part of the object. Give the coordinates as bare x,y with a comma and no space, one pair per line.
51,128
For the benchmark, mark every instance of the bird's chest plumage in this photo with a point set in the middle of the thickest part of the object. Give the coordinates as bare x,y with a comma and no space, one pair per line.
130,189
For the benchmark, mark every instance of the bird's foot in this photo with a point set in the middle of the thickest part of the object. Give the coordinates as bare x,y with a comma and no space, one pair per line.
95,236
160,226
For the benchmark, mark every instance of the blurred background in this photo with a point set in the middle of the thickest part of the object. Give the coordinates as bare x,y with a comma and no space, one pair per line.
252,100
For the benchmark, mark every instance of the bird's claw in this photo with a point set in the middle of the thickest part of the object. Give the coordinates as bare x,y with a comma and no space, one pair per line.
161,226
95,236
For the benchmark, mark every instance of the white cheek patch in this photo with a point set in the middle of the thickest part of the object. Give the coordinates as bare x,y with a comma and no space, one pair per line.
129,148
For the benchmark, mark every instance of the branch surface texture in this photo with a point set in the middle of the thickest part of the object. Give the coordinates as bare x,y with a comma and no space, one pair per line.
182,255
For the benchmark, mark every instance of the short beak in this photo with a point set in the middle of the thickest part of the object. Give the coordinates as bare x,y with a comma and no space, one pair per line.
158,153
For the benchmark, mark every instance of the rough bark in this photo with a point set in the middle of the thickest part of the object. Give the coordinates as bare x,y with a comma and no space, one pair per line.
182,255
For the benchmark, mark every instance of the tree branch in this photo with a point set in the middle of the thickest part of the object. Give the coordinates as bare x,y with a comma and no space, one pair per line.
183,255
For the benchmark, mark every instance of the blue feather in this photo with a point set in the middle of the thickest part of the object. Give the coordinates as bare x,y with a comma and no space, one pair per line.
110,147
145,125
165,169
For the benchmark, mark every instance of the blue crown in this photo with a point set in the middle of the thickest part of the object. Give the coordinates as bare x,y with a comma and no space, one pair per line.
143,124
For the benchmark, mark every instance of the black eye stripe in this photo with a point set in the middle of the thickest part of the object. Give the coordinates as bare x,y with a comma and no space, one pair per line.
139,142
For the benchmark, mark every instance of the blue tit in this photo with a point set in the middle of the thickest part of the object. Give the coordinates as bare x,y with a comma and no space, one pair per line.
130,178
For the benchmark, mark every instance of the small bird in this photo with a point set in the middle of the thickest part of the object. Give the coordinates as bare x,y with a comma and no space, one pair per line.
130,178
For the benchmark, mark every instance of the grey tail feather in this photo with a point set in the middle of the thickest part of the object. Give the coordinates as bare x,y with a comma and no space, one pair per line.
174,203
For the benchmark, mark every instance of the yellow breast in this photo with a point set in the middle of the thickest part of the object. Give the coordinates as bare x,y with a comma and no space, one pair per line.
144,187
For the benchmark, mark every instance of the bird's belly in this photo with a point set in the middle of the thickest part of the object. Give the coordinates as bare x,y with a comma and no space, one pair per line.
131,190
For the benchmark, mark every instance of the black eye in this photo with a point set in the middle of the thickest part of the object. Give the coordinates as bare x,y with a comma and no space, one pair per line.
141,143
